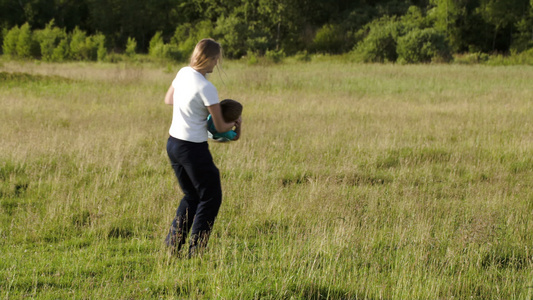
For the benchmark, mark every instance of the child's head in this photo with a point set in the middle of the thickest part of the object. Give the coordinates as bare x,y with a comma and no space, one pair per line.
231,110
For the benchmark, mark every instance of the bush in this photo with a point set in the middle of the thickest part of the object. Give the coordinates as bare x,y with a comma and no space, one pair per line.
155,44
303,56
523,58
381,41
25,47
46,41
187,36
422,46
131,47
169,51
61,52
252,58
240,37
77,46
471,58
49,38
3,32
413,19
158,49
89,50
53,44
329,39
83,47
184,38
232,31
523,40
9,45
257,41
99,47
275,56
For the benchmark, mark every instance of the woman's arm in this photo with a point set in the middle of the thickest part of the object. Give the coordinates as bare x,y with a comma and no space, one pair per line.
169,97
218,120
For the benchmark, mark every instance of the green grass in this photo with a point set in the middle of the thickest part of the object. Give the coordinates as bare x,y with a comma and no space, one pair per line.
351,181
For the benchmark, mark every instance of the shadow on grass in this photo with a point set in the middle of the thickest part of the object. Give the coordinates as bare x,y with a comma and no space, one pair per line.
120,231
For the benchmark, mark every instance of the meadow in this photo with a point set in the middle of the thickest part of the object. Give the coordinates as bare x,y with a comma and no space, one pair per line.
350,181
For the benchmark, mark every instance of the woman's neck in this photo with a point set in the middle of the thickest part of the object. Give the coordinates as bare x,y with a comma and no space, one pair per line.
203,72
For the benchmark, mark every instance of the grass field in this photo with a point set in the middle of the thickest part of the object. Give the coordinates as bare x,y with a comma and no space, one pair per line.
351,181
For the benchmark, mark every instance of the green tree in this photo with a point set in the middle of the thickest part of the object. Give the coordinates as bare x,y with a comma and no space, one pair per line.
502,14
158,48
61,52
187,35
3,33
131,47
9,45
422,46
49,39
99,46
156,44
89,49
184,38
77,46
523,39
415,18
380,43
139,19
231,32
258,37
284,20
261,25
329,39
446,14
25,43
46,41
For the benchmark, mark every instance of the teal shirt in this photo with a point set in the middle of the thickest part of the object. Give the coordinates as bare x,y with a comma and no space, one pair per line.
228,135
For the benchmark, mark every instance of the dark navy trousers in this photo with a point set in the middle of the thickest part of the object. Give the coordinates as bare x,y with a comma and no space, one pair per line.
199,180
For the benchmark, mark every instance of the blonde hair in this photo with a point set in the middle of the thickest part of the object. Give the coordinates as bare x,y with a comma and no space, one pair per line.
205,50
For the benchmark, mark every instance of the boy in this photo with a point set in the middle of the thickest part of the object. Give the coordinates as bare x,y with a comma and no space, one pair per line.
231,111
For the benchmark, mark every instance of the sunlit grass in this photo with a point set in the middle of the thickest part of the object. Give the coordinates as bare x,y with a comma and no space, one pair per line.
350,181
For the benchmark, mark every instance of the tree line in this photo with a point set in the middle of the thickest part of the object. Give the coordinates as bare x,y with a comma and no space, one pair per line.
378,30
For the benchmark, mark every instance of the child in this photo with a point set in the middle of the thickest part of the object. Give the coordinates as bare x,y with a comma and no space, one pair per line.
231,112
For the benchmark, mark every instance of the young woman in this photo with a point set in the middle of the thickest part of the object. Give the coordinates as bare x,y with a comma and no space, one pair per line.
193,98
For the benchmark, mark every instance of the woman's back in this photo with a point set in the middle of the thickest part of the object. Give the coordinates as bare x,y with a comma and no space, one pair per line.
193,93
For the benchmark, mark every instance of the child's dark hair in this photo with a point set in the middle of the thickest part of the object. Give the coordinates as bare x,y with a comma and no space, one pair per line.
231,110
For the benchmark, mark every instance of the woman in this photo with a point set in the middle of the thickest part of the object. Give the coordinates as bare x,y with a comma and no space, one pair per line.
194,98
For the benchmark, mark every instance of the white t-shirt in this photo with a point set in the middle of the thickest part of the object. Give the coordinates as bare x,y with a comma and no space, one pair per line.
192,94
